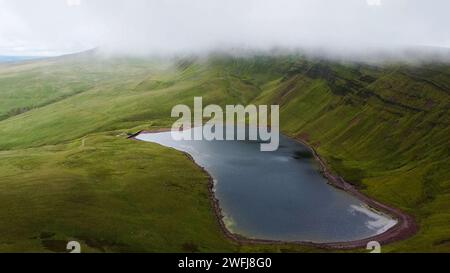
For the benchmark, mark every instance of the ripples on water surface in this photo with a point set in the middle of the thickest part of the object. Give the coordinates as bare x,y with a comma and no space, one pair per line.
278,195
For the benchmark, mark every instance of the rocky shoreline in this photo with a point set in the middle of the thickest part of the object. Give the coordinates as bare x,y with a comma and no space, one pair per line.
405,227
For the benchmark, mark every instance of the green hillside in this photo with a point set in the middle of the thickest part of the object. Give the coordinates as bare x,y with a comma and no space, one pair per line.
67,170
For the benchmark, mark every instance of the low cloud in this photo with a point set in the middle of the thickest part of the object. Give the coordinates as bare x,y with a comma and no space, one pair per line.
48,27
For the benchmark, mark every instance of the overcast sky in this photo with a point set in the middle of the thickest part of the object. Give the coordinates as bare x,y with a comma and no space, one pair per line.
51,27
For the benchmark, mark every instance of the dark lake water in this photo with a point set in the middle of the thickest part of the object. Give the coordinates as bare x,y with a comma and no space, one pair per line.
278,195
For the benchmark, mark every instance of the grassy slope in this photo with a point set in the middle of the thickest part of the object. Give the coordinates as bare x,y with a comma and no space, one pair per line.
386,130
377,127
67,170
85,191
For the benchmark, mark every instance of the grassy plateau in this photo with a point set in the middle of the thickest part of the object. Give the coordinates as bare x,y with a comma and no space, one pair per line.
68,171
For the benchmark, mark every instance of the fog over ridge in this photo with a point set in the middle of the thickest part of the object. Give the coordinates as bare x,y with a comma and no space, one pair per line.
341,29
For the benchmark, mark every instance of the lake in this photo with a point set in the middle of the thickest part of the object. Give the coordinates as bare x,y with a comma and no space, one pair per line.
278,195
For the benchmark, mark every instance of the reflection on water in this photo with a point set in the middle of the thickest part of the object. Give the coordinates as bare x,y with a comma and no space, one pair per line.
278,195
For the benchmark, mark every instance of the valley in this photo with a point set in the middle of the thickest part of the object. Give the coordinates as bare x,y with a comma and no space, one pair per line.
68,171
